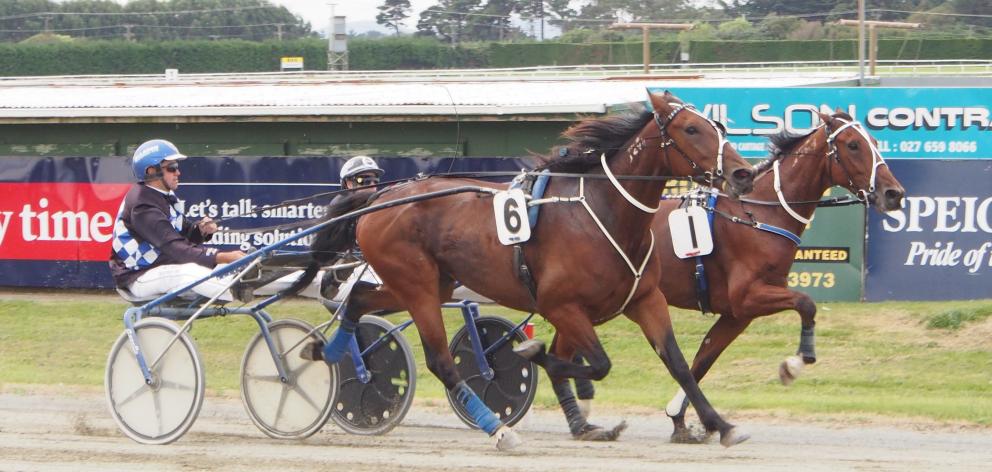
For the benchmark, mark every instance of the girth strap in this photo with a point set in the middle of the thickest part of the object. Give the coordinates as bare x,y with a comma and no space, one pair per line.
523,272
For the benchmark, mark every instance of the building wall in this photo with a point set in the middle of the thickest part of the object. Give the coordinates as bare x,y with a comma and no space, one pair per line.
409,139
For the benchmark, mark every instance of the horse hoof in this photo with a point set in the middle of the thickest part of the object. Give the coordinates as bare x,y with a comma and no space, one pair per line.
529,348
598,433
313,351
790,369
808,358
585,407
506,438
733,436
685,436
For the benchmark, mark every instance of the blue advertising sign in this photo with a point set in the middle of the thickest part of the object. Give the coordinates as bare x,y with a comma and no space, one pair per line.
939,246
909,123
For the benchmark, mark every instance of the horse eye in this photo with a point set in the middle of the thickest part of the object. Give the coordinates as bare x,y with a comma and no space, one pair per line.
691,130
853,145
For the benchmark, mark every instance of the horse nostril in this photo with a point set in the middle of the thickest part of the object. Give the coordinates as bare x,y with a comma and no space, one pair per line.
894,196
743,174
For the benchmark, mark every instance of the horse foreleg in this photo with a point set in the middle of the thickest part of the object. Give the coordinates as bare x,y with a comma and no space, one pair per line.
721,334
577,419
585,391
651,314
573,326
769,299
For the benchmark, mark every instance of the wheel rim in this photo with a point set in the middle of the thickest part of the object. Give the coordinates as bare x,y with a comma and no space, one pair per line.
162,411
377,406
297,407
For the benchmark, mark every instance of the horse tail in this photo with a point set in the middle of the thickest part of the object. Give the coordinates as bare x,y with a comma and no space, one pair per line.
333,238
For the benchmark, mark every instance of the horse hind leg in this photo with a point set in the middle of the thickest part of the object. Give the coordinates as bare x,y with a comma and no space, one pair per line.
578,423
415,282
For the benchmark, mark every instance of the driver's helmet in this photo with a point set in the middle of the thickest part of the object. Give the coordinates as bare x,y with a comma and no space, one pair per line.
153,153
359,164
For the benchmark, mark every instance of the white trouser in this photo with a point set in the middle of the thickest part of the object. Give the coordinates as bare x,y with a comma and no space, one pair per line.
160,280
363,272
282,283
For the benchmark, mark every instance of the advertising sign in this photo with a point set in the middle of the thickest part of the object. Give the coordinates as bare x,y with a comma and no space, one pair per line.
827,265
909,123
939,246
57,214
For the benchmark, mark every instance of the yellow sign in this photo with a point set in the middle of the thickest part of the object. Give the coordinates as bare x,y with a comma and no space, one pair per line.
291,63
823,254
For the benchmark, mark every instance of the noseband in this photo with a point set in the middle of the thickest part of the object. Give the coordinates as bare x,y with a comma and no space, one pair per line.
834,154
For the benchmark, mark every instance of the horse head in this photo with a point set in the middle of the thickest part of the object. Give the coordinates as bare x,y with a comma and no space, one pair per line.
857,165
697,146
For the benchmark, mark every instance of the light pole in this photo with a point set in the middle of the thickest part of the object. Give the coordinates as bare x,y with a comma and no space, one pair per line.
873,40
645,28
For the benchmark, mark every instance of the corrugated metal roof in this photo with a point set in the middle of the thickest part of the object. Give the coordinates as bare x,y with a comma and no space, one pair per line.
282,95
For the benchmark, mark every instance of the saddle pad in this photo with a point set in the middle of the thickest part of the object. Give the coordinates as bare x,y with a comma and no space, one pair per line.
537,186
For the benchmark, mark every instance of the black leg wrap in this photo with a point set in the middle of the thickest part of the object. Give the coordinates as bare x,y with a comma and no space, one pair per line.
576,423
584,388
807,345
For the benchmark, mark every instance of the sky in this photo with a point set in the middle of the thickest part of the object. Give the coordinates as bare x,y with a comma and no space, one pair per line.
360,14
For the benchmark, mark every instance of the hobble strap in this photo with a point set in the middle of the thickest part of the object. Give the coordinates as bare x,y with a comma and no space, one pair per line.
480,413
335,349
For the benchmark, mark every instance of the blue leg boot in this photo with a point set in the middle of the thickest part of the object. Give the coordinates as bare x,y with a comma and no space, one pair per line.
483,417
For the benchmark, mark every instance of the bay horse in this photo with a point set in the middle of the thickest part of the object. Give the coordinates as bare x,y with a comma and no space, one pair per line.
590,257
748,269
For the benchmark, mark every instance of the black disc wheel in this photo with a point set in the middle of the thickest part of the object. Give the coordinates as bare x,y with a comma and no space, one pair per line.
376,407
511,391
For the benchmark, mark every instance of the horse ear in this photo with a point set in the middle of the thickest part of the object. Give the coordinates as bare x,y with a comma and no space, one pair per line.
824,118
659,102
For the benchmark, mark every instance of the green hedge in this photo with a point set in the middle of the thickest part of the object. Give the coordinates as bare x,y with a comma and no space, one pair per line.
119,57
550,54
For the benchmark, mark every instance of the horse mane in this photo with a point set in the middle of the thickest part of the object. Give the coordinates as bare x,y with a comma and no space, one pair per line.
782,143
591,137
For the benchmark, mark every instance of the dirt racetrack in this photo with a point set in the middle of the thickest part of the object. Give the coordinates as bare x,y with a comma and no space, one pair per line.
71,430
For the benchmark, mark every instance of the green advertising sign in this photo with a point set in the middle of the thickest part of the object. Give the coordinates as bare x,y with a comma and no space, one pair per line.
828,263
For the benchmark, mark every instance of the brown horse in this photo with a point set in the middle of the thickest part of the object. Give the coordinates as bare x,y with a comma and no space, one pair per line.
588,256
748,269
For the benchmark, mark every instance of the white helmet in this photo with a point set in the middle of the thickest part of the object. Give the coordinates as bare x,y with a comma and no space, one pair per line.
358,164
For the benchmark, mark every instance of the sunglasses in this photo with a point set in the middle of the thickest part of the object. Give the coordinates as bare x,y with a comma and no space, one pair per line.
366,179
173,168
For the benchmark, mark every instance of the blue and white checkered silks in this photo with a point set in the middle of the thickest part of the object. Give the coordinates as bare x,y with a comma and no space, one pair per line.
140,255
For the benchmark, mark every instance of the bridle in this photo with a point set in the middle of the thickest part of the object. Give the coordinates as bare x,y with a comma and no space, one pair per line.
834,154
669,142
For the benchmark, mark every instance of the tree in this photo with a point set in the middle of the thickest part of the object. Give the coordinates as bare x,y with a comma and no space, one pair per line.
449,20
151,19
392,13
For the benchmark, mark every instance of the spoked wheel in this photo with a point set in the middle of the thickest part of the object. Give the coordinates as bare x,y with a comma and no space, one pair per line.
378,406
511,391
160,411
291,408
